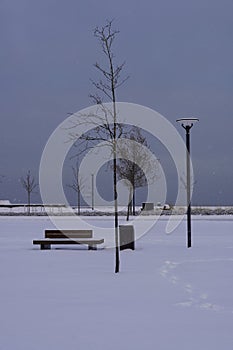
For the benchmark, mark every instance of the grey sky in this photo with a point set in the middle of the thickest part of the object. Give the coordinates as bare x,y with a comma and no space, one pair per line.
179,57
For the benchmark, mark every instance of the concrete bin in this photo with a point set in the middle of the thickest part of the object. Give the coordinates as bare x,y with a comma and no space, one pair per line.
127,237
146,206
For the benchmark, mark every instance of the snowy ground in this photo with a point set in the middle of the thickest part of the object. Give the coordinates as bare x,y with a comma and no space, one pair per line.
166,297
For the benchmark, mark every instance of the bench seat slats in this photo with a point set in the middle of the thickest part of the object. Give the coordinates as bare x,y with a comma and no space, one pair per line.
68,234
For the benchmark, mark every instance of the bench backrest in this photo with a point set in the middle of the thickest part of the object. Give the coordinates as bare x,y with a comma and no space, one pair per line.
68,233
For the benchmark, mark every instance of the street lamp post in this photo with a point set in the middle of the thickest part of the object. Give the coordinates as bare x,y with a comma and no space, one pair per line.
187,124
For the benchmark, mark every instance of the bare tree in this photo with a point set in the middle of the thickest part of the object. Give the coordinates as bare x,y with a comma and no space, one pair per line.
105,126
77,185
29,184
134,162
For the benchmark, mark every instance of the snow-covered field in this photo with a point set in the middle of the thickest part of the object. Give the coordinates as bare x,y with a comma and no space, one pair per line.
166,297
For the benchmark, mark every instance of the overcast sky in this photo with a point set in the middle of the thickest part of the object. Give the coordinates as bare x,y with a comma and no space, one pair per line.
178,54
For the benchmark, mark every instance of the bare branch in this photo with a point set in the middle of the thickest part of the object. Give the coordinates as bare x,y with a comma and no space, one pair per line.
135,164
1,177
77,184
106,36
29,184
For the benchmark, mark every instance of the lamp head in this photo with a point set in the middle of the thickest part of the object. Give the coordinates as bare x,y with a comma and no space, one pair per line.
187,122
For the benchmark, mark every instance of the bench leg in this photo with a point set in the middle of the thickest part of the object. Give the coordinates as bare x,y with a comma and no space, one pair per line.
92,247
45,246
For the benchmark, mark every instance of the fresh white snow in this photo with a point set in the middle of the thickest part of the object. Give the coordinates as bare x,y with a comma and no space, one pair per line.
166,297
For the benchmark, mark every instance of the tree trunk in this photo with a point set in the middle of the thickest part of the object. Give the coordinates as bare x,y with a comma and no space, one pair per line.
29,203
133,200
117,257
79,204
129,207
117,262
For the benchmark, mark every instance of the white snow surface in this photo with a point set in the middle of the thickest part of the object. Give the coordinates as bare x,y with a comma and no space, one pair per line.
166,297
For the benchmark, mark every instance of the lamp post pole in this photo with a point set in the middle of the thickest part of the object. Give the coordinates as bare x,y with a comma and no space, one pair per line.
189,239
187,124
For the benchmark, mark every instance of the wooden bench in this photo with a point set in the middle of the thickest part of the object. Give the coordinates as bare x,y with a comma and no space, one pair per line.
68,237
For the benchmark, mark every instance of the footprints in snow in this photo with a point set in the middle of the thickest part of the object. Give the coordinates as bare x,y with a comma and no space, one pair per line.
194,298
